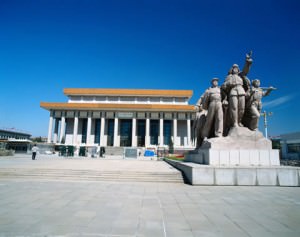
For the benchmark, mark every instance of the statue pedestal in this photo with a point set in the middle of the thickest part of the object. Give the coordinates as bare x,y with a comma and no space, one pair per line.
198,174
242,147
235,157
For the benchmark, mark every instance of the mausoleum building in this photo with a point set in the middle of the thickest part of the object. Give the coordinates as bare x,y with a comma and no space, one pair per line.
122,118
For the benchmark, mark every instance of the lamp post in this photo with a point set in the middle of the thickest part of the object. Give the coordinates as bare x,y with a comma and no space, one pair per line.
265,114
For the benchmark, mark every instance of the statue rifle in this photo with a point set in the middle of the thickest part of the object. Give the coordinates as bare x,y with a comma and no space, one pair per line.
268,88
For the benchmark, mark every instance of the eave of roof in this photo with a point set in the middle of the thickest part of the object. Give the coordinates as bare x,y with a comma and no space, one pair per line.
130,107
15,132
128,92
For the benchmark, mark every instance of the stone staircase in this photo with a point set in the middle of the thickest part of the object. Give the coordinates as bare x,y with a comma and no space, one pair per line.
114,151
91,175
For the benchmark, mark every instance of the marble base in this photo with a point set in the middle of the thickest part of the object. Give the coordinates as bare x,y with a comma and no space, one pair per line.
198,174
242,147
242,157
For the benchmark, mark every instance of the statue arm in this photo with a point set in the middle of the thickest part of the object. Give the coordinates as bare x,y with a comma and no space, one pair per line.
268,91
247,65
202,98
223,93
227,85
200,101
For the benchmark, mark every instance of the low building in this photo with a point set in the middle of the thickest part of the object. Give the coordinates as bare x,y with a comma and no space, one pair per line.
122,118
11,133
290,146
15,140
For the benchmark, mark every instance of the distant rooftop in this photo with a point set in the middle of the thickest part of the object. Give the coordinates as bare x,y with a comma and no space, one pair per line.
294,135
14,130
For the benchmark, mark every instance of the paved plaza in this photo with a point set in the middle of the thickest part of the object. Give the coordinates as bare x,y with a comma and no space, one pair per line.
33,207
112,163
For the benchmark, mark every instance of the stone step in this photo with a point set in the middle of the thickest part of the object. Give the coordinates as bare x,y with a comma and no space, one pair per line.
59,171
114,151
162,177
175,177
96,178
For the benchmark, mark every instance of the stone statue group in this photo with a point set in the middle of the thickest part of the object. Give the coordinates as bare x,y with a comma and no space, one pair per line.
237,103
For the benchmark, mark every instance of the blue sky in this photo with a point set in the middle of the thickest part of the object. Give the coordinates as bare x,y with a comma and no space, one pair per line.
50,45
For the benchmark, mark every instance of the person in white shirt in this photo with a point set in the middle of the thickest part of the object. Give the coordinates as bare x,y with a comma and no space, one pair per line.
34,150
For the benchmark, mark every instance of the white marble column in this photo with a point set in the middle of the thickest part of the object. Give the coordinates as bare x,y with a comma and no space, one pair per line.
147,137
161,132
62,128
133,139
89,129
50,128
116,128
175,132
75,129
102,141
188,132
55,131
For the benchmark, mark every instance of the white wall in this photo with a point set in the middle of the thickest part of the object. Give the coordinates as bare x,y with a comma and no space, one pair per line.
128,100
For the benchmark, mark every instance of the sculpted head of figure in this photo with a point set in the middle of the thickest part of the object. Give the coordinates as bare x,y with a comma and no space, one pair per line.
214,82
234,69
256,83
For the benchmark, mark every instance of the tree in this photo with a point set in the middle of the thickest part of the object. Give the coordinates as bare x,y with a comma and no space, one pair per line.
37,139
276,144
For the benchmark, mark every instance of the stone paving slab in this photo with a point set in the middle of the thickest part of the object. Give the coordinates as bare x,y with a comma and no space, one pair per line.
86,208
103,208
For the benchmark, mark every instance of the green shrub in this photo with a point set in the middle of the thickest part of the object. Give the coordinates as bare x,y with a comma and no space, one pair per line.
4,152
175,158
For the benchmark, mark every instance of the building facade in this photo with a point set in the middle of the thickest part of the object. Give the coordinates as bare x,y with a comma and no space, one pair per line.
122,118
6,134
290,146
15,140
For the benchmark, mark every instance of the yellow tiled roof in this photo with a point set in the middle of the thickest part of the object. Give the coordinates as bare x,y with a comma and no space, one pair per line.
131,107
128,92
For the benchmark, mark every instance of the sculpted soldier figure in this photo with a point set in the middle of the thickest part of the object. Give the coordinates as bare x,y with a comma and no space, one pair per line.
235,104
235,87
199,123
253,103
212,103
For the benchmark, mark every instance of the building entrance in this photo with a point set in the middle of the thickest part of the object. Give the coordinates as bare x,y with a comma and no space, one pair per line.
125,132
154,129
84,131
141,132
97,131
110,132
167,132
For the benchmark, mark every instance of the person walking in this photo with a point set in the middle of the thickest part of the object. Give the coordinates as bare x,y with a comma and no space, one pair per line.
34,150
